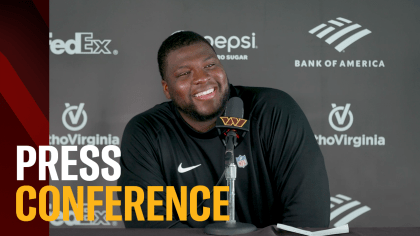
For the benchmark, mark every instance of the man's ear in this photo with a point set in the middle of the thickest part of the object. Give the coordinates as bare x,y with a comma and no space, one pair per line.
165,89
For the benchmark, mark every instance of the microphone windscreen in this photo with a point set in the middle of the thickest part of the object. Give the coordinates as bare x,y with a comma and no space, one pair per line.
235,108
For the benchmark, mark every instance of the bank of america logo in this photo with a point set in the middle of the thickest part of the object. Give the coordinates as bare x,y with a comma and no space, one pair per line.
342,204
344,27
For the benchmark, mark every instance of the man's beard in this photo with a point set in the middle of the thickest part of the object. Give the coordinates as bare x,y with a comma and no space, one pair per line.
191,110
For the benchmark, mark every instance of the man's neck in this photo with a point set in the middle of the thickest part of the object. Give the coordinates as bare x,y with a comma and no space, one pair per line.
199,126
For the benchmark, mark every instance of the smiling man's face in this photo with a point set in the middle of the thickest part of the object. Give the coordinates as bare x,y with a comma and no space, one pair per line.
196,82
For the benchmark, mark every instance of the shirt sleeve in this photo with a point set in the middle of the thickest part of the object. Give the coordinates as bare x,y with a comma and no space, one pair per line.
296,162
140,167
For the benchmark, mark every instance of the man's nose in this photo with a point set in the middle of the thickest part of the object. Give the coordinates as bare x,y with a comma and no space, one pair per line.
201,76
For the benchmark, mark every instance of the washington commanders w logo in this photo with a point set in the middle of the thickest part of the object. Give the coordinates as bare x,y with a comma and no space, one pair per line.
233,121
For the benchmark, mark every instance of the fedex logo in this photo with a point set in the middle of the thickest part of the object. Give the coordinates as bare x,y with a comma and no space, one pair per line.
83,43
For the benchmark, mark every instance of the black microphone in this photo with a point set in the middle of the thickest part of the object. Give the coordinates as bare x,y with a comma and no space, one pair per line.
235,108
232,127
232,119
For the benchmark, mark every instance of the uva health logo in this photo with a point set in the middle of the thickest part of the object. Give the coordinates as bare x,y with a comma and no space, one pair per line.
341,119
83,43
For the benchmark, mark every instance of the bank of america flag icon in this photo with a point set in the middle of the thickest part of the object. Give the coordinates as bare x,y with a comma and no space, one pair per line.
340,30
241,160
344,210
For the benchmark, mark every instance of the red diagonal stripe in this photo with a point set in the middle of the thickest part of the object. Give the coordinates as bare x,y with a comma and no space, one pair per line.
22,103
43,9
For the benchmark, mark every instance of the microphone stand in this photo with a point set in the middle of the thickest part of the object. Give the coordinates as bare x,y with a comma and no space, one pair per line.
230,227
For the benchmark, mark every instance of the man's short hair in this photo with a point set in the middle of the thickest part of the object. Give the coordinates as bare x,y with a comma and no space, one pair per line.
176,41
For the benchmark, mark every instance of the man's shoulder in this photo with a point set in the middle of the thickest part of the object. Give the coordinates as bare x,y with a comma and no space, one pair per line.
265,97
153,119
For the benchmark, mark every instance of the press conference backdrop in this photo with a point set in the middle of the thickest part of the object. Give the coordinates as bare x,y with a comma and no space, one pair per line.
352,66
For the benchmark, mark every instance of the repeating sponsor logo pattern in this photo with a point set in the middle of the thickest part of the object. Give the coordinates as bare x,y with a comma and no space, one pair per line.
344,26
100,219
342,125
78,120
231,43
83,43
74,118
340,118
340,33
344,210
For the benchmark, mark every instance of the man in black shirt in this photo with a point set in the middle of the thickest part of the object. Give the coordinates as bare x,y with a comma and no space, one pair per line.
283,179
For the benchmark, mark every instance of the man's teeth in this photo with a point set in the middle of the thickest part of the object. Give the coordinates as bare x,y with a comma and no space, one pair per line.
204,93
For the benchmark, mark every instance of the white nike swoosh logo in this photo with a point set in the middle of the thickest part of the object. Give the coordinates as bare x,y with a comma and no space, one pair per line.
183,170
